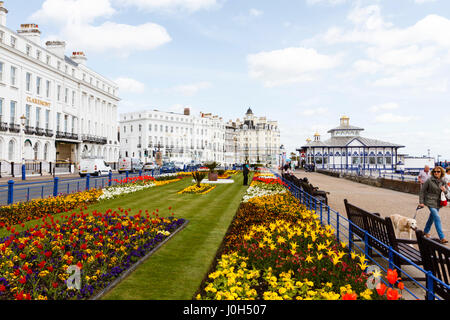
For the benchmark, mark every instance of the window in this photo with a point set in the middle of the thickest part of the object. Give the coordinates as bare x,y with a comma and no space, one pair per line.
1,71
13,76
73,124
28,50
73,98
58,65
38,117
372,160
2,35
12,112
388,160
38,85
58,121
48,59
11,150
47,89
380,160
66,95
27,115
38,55
1,110
28,81
13,41
149,127
47,119
58,93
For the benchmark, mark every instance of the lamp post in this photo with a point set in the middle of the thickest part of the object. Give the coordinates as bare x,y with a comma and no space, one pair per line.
22,143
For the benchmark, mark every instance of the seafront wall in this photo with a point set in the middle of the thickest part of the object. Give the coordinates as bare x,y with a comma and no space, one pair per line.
397,185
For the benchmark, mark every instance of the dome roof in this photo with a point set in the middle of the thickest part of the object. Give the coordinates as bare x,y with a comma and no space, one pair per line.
249,111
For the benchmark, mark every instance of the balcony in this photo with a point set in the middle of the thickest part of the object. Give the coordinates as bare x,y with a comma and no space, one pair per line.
29,130
49,133
60,135
3,126
40,132
94,139
14,127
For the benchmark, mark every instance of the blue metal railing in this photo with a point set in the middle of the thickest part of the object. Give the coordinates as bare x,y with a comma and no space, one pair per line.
341,226
23,192
374,173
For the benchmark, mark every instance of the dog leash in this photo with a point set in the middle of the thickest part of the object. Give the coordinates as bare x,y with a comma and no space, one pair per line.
418,208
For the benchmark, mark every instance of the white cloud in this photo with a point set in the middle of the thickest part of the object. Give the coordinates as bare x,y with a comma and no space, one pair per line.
76,22
392,118
384,106
330,2
315,112
424,1
120,38
289,65
73,11
256,12
191,89
129,85
170,5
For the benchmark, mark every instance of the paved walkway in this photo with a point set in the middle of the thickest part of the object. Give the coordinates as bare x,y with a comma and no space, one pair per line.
384,201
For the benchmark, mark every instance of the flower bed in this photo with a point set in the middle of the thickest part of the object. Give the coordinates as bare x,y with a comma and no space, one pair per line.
35,209
277,249
203,189
34,263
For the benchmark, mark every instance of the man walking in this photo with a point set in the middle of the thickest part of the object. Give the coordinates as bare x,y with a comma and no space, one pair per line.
246,171
424,175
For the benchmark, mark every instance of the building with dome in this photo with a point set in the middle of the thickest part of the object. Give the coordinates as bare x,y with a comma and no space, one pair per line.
256,140
347,149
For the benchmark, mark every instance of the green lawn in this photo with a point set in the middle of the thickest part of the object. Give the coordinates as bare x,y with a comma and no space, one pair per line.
177,269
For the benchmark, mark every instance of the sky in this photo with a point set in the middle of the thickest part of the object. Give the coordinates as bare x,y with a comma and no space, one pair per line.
304,63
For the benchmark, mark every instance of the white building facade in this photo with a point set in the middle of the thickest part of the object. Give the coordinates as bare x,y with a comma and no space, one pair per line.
52,107
180,137
203,138
257,140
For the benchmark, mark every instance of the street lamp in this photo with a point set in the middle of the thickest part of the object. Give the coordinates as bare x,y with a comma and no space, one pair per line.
23,120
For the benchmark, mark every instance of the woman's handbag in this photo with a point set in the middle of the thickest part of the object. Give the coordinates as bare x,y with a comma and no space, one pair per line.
443,199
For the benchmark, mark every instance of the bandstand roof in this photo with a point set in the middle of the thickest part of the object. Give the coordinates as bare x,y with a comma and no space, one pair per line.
342,142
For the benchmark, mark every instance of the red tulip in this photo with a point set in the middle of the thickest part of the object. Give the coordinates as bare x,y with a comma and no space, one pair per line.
381,288
392,276
392,294
349,296
401,285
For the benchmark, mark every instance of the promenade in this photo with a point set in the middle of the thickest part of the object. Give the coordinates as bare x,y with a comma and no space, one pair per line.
373,199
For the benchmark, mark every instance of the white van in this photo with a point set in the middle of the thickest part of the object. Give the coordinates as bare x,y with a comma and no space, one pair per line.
95,167
130,165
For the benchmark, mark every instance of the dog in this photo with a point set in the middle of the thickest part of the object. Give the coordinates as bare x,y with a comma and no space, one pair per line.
403,224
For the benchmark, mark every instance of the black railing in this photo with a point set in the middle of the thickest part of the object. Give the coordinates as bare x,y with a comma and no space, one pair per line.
3,126
14,127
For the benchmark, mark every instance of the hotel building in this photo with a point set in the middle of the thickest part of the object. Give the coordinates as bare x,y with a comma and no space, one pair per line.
52,107
185,137
180,137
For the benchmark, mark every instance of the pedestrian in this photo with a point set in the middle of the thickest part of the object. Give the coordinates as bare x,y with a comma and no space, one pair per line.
430,196
447,176
424,175
286,167
246,171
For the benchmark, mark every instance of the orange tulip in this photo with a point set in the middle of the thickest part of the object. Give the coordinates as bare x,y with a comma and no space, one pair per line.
401,285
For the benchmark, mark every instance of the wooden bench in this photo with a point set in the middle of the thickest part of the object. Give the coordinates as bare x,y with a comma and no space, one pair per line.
308,188
383,235
436,258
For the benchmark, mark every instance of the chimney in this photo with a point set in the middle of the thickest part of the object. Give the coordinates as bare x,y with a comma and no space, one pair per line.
187,111
31,32
79,57
56,47
3,13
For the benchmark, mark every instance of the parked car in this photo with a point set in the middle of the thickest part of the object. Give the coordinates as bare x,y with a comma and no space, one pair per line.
179,165
130,165
168,167
94,167
150,166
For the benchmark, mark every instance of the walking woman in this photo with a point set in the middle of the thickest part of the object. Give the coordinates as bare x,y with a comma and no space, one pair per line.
430,196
